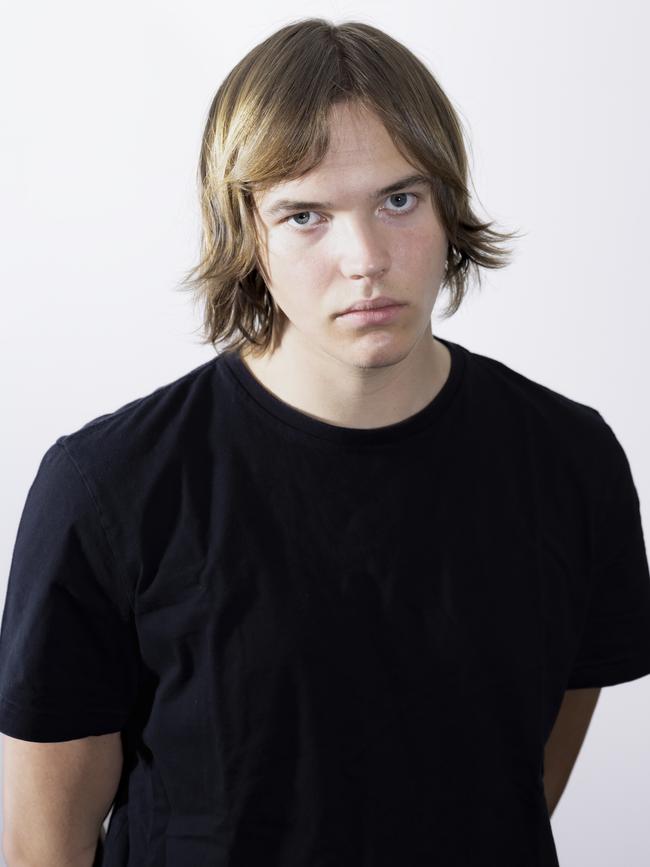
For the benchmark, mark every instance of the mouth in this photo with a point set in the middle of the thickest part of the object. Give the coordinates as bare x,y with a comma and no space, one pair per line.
373,304
374,315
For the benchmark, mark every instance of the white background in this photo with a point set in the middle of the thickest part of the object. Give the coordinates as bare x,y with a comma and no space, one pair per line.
102,111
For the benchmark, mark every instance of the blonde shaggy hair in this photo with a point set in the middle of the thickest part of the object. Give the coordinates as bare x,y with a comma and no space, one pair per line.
268,123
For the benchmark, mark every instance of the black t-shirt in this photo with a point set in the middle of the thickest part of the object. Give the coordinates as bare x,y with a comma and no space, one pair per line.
325,646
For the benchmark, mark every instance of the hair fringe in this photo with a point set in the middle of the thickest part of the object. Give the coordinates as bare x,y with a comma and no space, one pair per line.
262,128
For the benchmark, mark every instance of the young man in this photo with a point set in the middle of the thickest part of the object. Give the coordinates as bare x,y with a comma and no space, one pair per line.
345,594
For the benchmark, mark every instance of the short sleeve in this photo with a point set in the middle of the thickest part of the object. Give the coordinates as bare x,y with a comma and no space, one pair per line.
615,643
68,648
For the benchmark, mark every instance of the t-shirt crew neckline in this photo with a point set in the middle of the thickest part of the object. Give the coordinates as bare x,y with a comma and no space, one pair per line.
300,421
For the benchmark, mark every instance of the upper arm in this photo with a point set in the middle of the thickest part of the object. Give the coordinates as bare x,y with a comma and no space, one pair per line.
568,732
56,795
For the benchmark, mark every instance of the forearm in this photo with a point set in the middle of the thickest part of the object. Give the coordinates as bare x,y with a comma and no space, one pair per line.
553,793
557,770
85,858
565,741
56,798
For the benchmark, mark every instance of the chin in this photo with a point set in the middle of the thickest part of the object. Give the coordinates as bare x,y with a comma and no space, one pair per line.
384,353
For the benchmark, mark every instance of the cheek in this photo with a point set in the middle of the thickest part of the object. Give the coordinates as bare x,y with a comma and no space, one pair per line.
420,250
299,279
289,257
427,235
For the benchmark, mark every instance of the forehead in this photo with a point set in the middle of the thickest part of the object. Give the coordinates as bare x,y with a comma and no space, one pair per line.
357,130
361,162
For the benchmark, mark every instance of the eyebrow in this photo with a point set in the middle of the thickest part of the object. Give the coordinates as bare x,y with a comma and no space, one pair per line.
283,205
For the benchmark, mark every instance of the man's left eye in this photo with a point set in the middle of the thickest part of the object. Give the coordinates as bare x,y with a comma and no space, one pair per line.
400,195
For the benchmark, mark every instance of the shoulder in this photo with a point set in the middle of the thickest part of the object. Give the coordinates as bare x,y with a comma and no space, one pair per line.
122,474
546,416
145,427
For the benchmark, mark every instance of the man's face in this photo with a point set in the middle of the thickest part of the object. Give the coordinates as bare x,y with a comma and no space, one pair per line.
323,258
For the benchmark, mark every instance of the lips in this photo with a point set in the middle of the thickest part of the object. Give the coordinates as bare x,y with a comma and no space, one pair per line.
374,316
373,304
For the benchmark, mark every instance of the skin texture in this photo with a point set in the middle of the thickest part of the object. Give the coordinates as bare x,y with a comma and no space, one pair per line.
565,740
322,261
56,796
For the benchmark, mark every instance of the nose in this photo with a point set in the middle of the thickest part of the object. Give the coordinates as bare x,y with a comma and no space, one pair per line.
364,252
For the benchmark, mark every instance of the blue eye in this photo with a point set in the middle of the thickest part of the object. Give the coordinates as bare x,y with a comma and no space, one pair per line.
300,214
301,227
397,195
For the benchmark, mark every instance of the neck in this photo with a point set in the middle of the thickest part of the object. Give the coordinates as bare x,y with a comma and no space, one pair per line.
373,394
